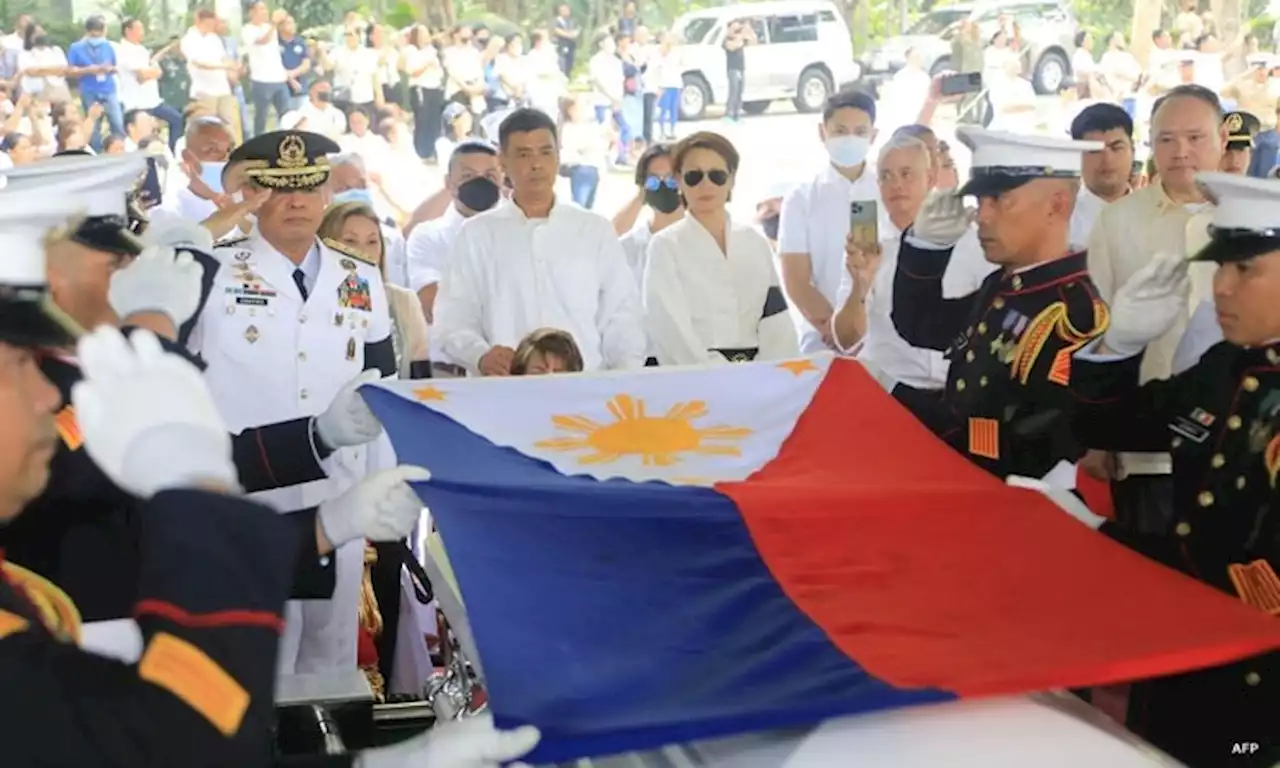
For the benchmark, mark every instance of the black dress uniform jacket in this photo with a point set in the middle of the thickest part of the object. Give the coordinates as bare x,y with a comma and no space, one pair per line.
212,587
82,531
1220,420
1007,402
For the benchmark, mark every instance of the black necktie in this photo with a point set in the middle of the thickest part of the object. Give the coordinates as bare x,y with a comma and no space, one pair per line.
300,280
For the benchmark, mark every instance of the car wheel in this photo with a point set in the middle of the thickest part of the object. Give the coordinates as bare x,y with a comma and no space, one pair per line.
813,90
755,107
694,97
943,64
1050,74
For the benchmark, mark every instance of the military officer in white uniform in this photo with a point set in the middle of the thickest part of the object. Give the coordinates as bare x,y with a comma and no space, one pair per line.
288,320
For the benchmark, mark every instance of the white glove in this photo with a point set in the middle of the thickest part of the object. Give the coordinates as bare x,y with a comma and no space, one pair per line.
159,280
173,232
1149,304
147,417
381,507
1068,501
943,219
348,420
470,743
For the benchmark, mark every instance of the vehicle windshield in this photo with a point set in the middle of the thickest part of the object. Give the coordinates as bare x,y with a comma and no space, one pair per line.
938,21
696,29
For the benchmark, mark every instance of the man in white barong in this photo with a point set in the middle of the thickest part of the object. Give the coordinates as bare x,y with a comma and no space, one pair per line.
537,263
711,293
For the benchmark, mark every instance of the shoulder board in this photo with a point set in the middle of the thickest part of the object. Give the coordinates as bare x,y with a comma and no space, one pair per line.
231,241
347,250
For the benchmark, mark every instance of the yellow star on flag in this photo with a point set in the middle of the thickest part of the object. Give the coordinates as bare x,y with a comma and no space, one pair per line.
798,367
428,393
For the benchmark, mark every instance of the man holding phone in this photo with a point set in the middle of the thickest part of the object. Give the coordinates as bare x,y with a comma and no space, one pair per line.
816,217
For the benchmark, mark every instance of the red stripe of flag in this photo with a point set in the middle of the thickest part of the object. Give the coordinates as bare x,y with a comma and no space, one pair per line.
927,571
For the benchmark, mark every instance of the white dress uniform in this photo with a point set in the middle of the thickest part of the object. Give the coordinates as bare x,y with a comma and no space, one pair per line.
703,305
274,355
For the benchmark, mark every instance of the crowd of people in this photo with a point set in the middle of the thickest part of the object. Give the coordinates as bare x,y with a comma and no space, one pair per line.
1072,320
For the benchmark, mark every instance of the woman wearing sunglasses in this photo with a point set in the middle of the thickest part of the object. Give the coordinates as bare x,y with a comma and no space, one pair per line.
711,293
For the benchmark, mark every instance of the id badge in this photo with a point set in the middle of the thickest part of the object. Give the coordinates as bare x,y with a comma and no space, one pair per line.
102,78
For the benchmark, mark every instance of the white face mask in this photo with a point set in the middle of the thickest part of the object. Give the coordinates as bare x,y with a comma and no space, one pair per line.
848,151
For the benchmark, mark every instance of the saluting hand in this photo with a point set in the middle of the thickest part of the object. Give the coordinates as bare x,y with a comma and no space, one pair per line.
1149,304
943,219
159,280
381,507
348,421
147,417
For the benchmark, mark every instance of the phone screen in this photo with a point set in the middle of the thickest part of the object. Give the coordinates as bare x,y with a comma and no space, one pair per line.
864,223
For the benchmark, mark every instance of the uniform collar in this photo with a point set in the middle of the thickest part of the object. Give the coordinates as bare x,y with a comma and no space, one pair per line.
1045,275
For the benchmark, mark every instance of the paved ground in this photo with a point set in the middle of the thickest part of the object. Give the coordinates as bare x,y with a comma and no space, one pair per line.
778,147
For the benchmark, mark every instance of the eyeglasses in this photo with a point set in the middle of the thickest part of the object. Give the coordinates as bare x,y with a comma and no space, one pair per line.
653,182
717,177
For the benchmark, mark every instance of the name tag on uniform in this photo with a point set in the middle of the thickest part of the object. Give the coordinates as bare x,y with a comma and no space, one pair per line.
1189,428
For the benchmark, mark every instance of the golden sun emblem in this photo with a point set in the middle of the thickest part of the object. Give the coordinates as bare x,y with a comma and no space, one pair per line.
658,440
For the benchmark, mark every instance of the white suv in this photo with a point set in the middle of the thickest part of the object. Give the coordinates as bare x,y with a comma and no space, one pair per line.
803,53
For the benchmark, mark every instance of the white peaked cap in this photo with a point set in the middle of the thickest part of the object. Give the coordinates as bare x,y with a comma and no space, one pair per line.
26,217
1246,216
1003,161
97,184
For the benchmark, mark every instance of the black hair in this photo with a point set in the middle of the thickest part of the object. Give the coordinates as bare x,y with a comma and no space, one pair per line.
1101,117
131,116
471,147
849,98
95,24
653,152
111,141
1080,36
128,23
1191,91
1156,34
525,120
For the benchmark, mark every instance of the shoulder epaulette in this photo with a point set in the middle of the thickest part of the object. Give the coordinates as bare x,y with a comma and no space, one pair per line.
347,250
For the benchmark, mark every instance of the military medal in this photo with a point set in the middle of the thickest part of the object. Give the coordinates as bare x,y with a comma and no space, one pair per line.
251,334
337,319
351,348
348,265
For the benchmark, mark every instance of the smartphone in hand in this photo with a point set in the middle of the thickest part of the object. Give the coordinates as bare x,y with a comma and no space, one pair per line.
864,223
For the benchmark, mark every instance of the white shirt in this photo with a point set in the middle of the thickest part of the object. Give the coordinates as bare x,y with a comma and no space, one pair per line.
1088,206
417,58
356,70
208,50
903,97
699,299
815,220
1082,63
1209,71
265,64
510,275
1122,71
462,64
1009,93
38,58
133,58
546,81
606,78
919,368
430,245
584,142
327,120
670,69
635,245
511,70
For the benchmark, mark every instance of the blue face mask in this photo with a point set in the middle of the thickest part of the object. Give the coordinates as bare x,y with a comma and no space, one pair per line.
354,196
211,175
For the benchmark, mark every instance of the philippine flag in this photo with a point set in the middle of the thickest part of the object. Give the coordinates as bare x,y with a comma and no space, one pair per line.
671,555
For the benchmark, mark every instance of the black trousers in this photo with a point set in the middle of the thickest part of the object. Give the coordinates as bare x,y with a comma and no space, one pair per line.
650,104
1144,503
428,107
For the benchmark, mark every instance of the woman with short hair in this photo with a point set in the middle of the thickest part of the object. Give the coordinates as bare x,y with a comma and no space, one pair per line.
711,293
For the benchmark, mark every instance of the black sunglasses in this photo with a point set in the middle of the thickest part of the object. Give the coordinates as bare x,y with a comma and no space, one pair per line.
717,177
